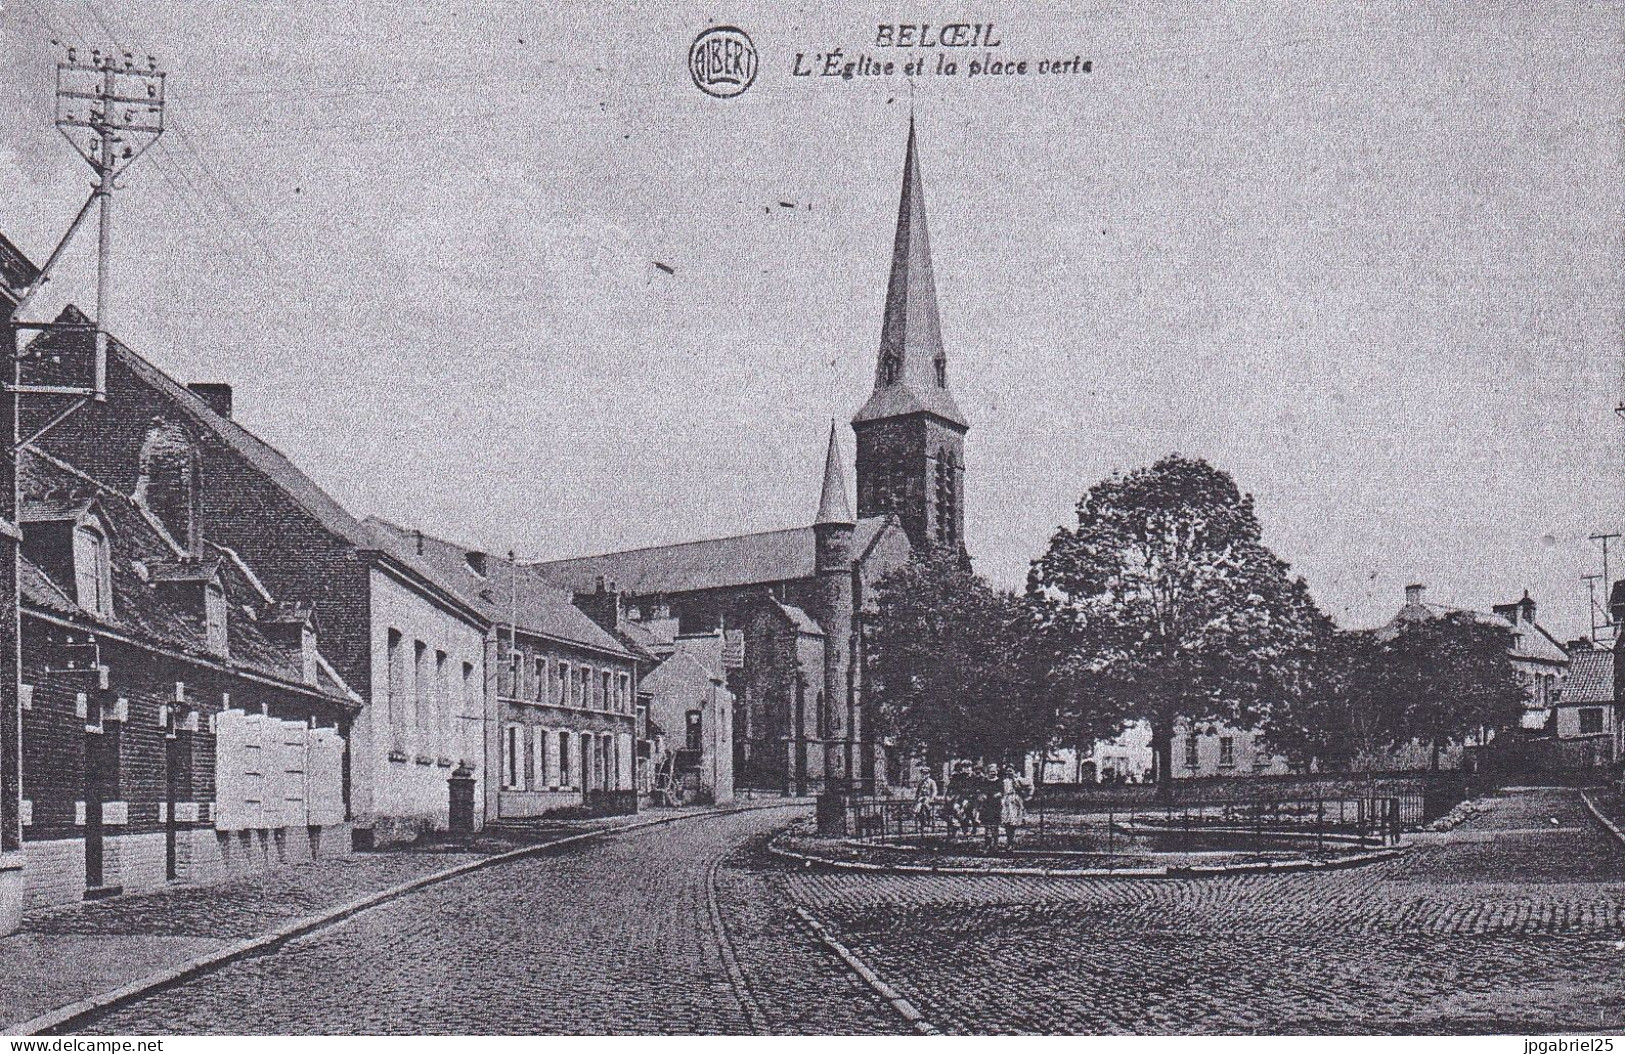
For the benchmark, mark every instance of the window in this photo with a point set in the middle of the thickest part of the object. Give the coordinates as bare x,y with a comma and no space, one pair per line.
1590,720
626,693
420,685
942,371
92,571
823,715
564,683
442,701
586,761
587,688
607,701
1190,751
546,775
538,690
1227,750
512,751
694,730
532,762
566,775
395,700
890,367
471,696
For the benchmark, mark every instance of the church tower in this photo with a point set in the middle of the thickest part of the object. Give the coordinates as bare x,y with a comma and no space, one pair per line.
910,432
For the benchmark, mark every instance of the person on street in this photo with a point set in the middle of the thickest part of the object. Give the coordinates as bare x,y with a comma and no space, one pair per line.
991,804
925,799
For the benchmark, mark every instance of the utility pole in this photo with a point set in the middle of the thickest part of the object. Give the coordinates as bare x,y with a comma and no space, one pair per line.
1591,603
1607,582
111,112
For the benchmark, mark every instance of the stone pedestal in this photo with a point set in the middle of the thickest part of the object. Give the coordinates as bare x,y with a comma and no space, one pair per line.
13,894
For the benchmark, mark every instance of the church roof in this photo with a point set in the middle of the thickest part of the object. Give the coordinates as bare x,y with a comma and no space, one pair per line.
715,563
832,506
906,379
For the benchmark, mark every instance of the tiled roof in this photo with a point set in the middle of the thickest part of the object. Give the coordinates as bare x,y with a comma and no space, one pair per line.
143,613
798,618
17,271
695,661
1591,678
505,594
1534,643
264,458
715,563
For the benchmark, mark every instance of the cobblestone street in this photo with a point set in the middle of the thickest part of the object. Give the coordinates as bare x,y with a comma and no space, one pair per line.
618,935
1515,922
1512,923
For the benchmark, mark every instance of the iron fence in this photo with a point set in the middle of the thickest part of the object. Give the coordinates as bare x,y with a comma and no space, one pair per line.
1115,828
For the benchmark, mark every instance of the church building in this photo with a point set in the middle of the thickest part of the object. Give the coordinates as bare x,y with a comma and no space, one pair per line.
793,598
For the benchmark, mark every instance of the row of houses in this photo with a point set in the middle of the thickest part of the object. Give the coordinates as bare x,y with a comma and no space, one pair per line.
223,670
1574,715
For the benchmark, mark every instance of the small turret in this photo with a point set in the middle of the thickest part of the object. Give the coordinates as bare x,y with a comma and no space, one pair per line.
833,525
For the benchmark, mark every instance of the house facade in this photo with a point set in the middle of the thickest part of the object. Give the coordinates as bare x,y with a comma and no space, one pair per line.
179,721
691,708
418,726
560,728
1588,708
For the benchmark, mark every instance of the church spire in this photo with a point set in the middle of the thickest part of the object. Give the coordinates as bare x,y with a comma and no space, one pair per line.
832,506
911,375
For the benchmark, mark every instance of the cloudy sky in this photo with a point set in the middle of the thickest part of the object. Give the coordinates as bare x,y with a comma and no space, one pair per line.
1365,257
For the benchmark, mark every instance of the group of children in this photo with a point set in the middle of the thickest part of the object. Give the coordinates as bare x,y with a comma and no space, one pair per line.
975,798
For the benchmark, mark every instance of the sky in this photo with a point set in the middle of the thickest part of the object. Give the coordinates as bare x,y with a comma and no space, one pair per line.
1366,258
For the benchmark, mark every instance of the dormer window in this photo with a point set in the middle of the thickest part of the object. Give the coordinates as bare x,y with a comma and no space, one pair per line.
214,617
890,369
92,569
70,540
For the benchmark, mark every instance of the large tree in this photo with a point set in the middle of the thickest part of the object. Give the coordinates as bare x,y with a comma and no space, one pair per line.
950,663
1165,595
1438,680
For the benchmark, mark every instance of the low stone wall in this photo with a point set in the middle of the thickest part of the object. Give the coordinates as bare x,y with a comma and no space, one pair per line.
54,870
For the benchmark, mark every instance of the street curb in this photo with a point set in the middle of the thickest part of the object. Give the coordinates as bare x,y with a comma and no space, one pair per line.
872,979
64,1016
1274,867
1591,807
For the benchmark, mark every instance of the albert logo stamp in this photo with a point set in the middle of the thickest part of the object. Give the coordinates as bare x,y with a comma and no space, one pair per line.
722,61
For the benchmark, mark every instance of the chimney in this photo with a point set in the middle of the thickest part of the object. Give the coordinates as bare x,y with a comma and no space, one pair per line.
1413,594
169,483
602,605
218,396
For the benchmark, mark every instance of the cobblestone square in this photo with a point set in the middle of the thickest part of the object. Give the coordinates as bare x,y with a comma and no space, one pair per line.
1515,922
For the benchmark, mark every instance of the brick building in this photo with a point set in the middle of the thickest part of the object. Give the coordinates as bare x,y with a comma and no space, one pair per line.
179,721
800,718
17,274
413,649
562,706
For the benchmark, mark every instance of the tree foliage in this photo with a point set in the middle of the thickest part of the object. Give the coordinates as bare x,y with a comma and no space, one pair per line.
1426,680
950,663
1165,599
